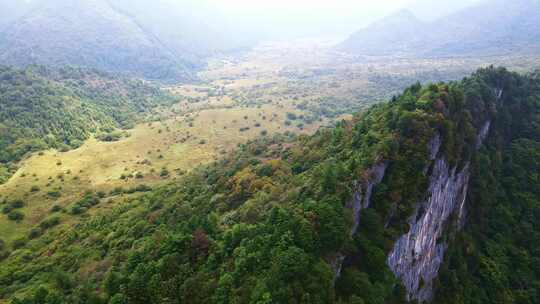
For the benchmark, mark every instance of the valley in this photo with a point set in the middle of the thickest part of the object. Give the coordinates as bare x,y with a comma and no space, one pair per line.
278,87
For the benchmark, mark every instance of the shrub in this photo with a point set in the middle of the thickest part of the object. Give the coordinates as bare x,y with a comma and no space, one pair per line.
164,172
143,188
291,116
110,137
56,208
77,209
19,243
50,222
7,209
84,204
117,191
54,194
34,233
16,216
16,204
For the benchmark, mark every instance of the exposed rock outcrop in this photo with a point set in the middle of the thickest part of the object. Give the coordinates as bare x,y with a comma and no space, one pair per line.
362,196
417,255
434,146
484,131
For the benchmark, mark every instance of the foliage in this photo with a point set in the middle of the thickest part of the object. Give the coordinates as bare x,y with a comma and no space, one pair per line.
265,224
42,108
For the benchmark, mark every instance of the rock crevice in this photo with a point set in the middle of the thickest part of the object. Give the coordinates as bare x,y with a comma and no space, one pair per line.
360,201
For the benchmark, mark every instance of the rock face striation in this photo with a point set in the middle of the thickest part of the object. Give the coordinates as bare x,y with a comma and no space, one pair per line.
484,131
417,255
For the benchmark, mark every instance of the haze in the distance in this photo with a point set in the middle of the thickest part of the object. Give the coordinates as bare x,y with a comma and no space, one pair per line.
278,19
322,18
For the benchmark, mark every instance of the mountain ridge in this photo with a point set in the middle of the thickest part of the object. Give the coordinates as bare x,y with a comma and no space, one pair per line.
95,34
490,27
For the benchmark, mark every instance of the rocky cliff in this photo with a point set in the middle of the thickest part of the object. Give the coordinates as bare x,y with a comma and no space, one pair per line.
418,254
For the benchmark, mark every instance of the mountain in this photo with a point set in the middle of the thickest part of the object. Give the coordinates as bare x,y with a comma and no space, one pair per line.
487,28
398,33
167,40
186,27
431,197
43,108
492,27
428,10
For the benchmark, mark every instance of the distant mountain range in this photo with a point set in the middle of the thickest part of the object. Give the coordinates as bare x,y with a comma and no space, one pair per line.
487,28
157,40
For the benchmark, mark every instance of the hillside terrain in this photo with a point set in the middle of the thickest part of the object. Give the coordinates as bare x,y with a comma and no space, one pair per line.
435,184
164,41
42,108
490,27
129,134
162,152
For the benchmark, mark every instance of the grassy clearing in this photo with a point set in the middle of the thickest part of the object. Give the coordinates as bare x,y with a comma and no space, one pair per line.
176,144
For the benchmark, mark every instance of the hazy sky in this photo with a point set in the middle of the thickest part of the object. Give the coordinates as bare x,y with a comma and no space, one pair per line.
251,5
331,16
304,18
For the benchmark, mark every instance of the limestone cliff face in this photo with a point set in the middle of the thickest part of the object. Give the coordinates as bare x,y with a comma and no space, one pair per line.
417,255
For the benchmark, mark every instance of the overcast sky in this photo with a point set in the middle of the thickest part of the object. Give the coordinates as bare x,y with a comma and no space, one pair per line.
333,17
305,18
295,5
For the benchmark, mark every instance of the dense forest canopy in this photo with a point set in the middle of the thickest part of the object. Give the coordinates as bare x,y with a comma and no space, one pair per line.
266,223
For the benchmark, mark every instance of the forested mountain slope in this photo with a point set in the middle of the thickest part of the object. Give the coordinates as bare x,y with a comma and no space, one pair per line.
491,27
163,39
43,108
89,33
433,196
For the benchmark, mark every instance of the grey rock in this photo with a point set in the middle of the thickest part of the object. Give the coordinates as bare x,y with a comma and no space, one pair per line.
417,255
434,146
482,135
